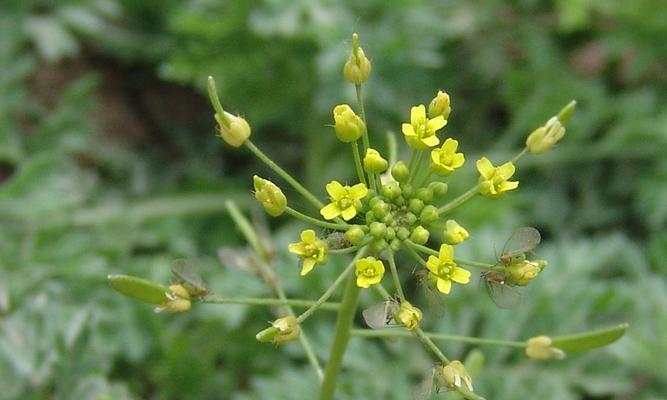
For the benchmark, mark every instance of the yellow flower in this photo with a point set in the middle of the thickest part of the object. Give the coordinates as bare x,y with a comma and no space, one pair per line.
311,249
445,269
439,105
456,375
420,132
282,330
408,315
349,126
270,196
345,200
178,300
493,181
445,159
539,348
455,233
369,271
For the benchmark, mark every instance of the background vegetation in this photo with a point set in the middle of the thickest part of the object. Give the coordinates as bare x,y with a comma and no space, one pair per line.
108,163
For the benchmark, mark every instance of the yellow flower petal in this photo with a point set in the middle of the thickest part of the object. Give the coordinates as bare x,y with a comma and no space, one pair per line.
446,253
296,248
349,213
506,170
417,114
450,146
335,190
505,186
431,141
308,236
457,160
485,167
308,265
436,123
433,263
461,275
444,285
408,130
330,211
358,191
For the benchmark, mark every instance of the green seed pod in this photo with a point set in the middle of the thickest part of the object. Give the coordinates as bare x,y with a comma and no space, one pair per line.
400,172
428,215
420,235
138,289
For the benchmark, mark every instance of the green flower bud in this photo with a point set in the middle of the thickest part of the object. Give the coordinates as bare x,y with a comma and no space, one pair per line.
407,190
390,234
282,330
270,196
355,235
400,172
358,67
374,163
399,201
545,137
439,106
415,205
349,127
379,245
439,188
390,190
410,218
454,233
429,215
402,233
370,217
425,194
234,130
566,113
395,245
420,235
378,229
380,209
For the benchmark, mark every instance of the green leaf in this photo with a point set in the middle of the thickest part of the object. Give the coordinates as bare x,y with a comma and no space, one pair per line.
138,289
589,340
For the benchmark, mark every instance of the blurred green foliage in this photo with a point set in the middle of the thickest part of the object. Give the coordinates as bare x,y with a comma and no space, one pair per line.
108,164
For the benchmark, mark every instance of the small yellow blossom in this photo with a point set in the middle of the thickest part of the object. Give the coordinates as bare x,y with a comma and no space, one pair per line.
369,271
439,105
408,315
178,300
455,233
345,200
349,126
374,163
493,181
445,159
545,137
456,375
270,196
523,271
445,269
311,249
420,132
539,348
281,330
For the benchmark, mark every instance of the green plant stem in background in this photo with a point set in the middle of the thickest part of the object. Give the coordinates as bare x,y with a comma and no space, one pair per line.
389,333
255,301
341,337
315,221
246,229
447,208
287,177
357,162
392,149
414,171
411,249
332,288
362,111
520,155
394,275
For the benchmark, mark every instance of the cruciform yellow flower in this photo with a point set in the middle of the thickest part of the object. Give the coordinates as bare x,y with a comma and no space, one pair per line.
345,200
493,181
420,132
369,271
445,159
445,269
311,249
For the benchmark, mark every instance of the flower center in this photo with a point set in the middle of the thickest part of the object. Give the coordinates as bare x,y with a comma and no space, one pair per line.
369,272
445,271
344,203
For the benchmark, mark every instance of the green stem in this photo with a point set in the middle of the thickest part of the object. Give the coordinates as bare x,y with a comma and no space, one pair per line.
362,111
430,345
341,338
332,288
472,192
414,254
246,229
415,171
287,177
315,221
371,180
394,275
357,162
392,333
518,156
426,178
475,264
413,159
255,301
392,148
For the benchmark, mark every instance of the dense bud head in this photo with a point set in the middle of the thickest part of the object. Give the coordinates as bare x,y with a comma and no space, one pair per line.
400,171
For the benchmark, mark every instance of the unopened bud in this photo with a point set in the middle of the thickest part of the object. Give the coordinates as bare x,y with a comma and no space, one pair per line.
281,330
523,271
454,233
420,235
408,315
400,172
456,375
355,235
374,163
539,348
358,67
234,130
439,106
270,196
349,126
